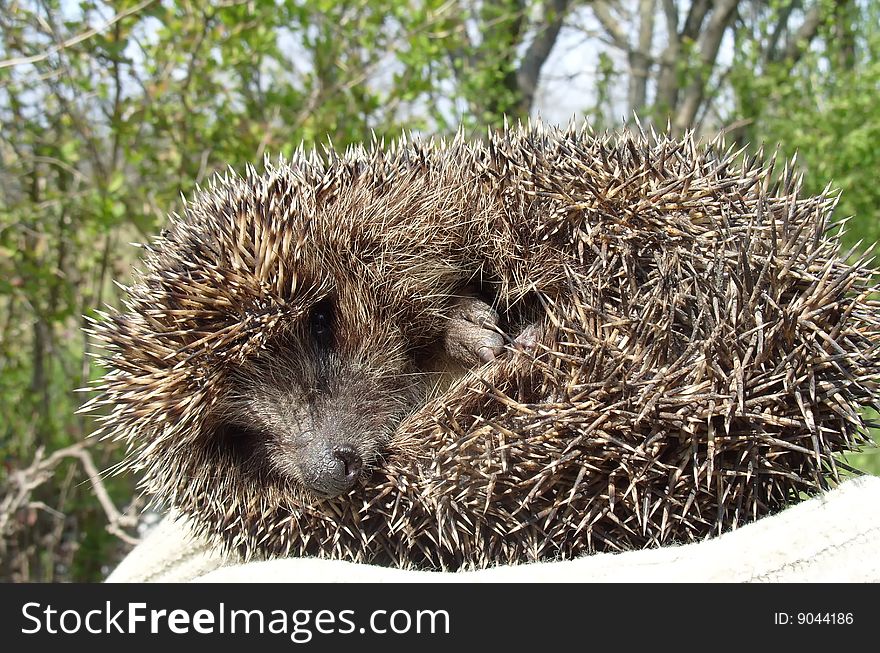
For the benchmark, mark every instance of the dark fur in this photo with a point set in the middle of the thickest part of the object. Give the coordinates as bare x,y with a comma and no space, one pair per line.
294,406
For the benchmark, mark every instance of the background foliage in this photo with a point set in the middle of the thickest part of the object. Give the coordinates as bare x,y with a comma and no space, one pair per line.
111,110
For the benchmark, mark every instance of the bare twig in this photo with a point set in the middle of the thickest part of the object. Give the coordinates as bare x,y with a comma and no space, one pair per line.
23,482
74,40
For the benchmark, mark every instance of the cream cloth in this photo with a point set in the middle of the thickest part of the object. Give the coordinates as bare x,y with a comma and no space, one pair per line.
834,537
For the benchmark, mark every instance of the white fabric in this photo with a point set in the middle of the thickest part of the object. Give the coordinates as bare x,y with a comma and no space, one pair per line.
170,553
830,538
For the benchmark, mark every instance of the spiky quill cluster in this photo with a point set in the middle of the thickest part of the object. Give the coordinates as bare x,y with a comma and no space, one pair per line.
703,346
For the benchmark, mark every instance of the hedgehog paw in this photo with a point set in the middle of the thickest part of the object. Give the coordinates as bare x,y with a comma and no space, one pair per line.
527,341
472,335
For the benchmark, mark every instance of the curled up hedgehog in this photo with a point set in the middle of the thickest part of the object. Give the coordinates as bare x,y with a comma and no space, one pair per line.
450,355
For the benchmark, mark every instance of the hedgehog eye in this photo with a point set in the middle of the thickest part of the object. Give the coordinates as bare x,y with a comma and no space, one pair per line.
321,322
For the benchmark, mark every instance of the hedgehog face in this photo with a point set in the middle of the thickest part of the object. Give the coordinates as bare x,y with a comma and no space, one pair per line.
318,406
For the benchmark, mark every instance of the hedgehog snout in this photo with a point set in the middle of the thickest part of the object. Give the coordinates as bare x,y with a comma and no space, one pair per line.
333,471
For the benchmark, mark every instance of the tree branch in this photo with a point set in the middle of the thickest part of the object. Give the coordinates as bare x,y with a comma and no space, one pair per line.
23,482
612,26
539,49
667,84
710,42
771,53
640,58
799,41
694,21
74,40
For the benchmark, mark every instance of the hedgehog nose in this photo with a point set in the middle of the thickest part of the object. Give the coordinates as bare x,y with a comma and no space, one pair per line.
333,471
351,464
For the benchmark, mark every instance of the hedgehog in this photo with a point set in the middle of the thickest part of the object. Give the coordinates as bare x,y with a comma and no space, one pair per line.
455,354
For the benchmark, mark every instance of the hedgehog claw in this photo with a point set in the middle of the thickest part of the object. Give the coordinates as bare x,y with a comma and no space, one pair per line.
527,341
472,335
486,354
